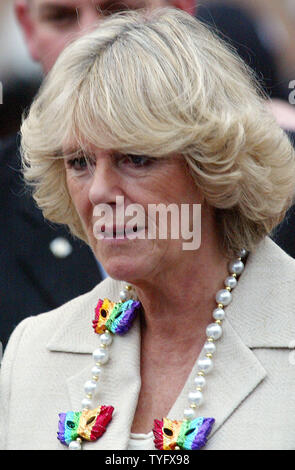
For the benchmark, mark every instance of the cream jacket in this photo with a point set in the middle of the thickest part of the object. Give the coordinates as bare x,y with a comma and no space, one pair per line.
250,392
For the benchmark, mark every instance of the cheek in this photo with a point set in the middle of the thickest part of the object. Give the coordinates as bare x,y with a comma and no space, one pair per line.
50,44
79,196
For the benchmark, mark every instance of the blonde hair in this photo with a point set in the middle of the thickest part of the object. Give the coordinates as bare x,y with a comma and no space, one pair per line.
158,84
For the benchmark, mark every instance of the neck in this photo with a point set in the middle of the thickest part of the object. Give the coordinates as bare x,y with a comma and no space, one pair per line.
178,303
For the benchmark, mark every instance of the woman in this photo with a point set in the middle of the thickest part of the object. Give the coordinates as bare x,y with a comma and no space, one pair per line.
153,109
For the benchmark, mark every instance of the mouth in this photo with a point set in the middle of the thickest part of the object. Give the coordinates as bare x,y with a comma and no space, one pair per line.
120,233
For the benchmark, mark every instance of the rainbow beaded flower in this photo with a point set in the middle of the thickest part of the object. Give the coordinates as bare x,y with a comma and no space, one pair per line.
86,424
117,317
188,435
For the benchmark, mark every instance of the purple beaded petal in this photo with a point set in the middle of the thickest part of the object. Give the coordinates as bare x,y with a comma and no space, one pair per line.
61,427
126,320
201,438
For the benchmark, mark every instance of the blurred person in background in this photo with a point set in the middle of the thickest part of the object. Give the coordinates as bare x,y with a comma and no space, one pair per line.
19,76
48,25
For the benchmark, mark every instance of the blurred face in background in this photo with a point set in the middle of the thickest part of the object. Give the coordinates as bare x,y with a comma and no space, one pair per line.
49,25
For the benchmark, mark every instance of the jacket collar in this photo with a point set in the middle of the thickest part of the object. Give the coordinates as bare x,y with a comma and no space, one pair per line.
250,323
255,314
74,332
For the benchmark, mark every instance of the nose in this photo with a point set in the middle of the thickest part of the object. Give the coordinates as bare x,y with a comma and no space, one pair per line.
105,184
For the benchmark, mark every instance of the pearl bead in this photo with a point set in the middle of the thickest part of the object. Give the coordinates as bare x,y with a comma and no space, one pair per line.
75,445
90,386
214,331
209,347
230,282
189,413
236,266
205,364
96,371
223,297
218,314
195,397
101,355
200,381
242,253
106,339
86,403
124,295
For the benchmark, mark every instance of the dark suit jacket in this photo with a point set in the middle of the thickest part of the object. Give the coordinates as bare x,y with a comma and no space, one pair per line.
32,278
236,26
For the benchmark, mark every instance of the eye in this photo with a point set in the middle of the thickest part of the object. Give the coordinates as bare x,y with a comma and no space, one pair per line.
103,313
118,314
136,161
60,15
71,424
90,420
189,431
77,163
168,432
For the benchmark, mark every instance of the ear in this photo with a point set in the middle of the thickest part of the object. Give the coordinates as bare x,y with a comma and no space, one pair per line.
187,5
25,19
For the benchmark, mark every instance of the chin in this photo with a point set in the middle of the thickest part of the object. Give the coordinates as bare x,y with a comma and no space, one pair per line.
123,270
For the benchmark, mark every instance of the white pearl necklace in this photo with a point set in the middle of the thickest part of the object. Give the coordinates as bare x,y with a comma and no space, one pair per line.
213,333
205,363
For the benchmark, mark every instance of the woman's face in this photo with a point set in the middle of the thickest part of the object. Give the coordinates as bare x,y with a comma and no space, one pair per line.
117,181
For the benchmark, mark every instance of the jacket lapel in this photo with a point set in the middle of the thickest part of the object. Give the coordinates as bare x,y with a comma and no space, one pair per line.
120,382
235,376
119,386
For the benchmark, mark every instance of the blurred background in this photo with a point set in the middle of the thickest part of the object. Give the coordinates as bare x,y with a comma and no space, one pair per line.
274,22
20,77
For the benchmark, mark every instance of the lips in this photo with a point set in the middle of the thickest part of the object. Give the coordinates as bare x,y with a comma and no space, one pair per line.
118,231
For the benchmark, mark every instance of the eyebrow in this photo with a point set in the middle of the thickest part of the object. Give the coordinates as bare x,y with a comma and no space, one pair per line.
76,152
70,152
